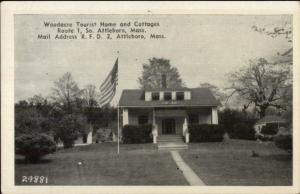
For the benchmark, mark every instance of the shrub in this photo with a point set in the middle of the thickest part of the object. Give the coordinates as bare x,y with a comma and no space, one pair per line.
103,135
270,129
34,146
238,124
69,128
284,141
206,132
243,131
136,134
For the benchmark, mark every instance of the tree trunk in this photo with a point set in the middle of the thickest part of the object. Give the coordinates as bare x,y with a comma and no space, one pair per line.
262,112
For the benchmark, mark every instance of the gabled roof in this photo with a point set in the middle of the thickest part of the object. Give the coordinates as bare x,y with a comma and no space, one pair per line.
199,97
270,119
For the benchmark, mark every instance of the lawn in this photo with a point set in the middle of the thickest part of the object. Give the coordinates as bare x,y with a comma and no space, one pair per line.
139,164
231,163
225,163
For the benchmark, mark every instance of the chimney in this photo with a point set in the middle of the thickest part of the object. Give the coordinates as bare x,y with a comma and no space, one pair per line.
163,81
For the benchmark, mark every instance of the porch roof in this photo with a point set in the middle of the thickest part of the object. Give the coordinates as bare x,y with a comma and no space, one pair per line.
199,97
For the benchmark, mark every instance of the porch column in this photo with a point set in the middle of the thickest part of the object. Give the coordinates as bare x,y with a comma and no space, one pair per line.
214,115
173,95
185,132
184,126
154,130
125,116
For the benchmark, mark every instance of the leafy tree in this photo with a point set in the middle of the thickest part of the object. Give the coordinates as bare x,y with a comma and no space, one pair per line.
37,100
70,127
22,104
28,120
66,92
153,73
41,104
263,84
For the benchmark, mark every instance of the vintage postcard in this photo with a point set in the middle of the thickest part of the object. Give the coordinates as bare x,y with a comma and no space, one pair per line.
147,97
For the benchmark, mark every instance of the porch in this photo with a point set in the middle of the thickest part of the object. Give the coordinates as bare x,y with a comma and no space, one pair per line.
171,121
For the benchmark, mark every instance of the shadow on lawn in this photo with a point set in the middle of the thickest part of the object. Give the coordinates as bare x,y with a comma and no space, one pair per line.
24,162
278,157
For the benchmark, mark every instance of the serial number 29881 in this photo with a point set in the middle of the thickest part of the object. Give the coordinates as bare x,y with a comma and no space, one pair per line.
35,179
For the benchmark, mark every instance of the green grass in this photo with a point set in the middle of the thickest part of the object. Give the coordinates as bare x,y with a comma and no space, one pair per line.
230,163
137,164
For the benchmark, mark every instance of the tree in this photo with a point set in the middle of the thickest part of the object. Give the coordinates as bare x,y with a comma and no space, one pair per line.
66,92
69,128
27,120
22,104
37,100
285,31
90,96
153,73
263,84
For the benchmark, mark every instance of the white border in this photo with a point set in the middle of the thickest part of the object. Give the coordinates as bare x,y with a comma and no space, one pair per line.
8,9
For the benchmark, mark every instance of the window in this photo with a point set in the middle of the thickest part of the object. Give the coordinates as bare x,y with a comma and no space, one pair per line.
155,96
143,119
193,119
179,95
167,96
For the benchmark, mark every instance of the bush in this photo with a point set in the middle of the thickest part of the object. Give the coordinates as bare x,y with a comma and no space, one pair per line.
270,129
238,124
70,127
34,146
137,134
284,141
243,131
103,135
206,133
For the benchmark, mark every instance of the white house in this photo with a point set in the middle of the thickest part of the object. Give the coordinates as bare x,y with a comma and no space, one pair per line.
169,110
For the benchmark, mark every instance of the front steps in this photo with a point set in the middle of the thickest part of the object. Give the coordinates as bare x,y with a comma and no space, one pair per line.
171,142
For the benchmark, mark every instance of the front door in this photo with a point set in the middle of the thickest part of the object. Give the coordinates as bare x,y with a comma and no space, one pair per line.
168,126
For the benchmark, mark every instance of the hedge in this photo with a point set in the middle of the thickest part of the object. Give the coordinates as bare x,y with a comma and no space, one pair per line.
270,129
206,132
243,131
137,134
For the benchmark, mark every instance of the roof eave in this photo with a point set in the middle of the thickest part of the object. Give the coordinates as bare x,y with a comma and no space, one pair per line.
155,106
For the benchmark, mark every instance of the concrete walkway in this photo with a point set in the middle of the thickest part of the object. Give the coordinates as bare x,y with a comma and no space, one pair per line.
188,173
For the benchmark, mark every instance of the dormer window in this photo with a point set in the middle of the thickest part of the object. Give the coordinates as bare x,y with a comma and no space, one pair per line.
155,95
167,96
179,95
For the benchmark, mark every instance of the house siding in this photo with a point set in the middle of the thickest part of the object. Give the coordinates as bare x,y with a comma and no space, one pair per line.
204,114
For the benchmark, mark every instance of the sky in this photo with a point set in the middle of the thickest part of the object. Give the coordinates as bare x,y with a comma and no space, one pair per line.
204,48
